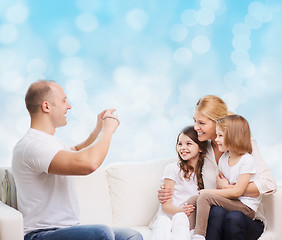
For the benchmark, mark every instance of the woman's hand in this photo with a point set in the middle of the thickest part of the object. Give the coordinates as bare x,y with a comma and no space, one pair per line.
164,194
188,209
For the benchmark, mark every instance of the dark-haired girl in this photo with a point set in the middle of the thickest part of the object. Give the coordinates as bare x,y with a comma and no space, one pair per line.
184,179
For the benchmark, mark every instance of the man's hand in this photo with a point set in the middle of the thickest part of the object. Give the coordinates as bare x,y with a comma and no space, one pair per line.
110,121
188,209
99,122
164,194
221,181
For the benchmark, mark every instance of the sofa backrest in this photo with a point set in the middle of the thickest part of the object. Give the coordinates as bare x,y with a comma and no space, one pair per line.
8,193
94,198
125,195
133,190
271,209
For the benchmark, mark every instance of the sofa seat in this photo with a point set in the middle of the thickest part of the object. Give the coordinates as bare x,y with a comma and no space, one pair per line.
125,195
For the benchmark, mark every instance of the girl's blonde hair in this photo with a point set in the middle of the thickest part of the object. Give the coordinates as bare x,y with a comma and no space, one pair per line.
237,133
212,107
184,165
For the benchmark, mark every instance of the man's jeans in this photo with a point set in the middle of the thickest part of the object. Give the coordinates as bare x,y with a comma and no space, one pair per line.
84,232
235,225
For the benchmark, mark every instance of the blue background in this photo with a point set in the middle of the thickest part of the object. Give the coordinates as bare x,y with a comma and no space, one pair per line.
152,60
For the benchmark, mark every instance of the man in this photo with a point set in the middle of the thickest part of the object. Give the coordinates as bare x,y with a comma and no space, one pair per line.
42,164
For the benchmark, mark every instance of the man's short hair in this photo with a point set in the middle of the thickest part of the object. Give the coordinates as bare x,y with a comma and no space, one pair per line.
36,94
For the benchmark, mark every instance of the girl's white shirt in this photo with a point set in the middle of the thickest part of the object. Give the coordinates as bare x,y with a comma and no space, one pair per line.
265,181
246,164
183,188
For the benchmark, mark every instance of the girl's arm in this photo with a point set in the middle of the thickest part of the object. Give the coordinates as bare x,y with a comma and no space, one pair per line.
223,183
236,191
263,184
168,207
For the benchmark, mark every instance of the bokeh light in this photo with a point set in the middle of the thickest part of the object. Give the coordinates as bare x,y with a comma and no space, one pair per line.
137,19
8,33
205,16
87,22
189,17
151,61
178,32
183,56
17,13
201,44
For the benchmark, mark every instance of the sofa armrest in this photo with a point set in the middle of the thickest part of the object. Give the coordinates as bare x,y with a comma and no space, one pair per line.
11,223
273,212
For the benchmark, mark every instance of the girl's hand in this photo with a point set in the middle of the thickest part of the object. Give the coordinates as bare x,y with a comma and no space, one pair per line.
188,209
221,181
164,194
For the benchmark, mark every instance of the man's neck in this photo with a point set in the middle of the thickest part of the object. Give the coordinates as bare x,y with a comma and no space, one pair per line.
42,126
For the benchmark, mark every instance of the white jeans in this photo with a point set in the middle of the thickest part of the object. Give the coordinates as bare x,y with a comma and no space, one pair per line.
175,228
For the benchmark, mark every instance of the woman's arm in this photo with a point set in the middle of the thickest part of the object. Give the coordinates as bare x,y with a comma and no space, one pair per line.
265,183
164,194
233,192
168,207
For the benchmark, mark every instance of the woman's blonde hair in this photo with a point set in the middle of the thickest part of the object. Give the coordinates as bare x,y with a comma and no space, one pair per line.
237,133
212,107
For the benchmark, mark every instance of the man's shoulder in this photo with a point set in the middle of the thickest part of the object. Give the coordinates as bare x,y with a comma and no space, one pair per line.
29,140
31,144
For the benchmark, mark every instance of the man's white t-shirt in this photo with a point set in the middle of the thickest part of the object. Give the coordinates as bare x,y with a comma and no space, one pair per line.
246,164
45,200
183,188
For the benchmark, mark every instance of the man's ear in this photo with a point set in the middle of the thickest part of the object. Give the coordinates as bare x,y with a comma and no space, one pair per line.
45,106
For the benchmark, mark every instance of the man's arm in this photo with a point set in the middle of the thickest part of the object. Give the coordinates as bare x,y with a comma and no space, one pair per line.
89,158
93,135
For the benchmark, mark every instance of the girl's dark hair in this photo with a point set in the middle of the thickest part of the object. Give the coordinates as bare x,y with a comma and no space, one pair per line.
184,165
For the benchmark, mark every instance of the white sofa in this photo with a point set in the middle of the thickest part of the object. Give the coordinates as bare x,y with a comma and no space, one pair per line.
125,195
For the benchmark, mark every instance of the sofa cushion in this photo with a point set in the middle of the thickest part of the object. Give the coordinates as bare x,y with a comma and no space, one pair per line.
8,189
94,198
133,189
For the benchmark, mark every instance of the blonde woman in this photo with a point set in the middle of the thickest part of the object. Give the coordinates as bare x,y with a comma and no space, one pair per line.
223,224
238,166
